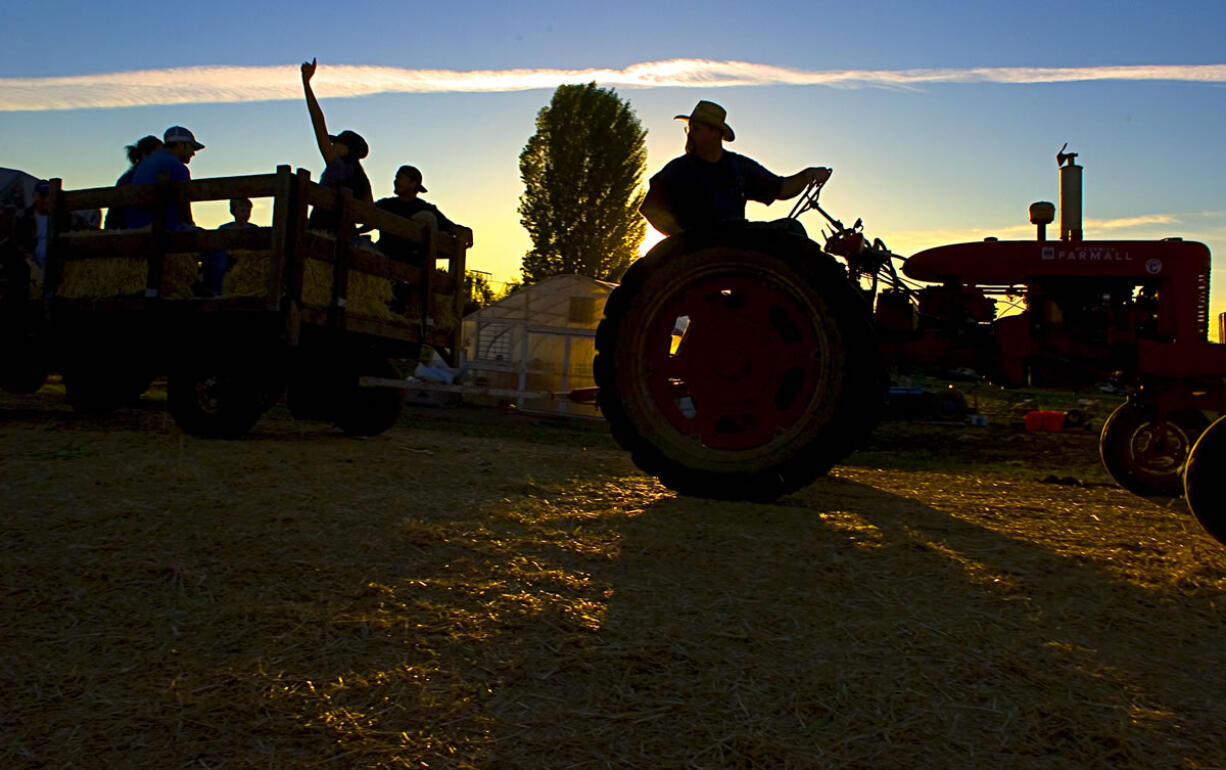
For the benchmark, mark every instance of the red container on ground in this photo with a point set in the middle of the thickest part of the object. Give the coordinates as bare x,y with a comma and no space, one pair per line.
1045,419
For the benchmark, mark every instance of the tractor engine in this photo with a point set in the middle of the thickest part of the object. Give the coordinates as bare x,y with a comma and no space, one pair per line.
1080,308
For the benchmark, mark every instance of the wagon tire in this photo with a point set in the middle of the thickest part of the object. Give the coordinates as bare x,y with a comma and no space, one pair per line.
738,363
1145,453
216,398
369,411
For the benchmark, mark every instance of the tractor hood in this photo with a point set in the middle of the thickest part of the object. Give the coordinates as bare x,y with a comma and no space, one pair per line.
1009,263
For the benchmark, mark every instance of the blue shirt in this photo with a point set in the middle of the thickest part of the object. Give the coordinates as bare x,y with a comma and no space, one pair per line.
147,173
699,193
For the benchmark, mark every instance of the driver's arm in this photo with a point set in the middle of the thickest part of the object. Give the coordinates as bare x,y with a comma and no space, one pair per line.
793,185
655,208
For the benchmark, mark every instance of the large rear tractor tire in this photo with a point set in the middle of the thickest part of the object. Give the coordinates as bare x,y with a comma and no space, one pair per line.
1145,452
1204,482
738,363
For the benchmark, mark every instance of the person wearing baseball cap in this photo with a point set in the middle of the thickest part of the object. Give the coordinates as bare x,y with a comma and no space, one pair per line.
342,155
407,185
178,148
709,184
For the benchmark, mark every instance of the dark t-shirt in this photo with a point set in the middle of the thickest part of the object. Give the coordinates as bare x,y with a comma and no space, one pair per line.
401,248
699,193
147,173
340,174
117,216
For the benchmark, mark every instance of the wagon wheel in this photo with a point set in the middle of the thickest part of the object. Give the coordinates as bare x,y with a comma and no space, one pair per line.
1204,483
369,411
1145,452
737,363
220,396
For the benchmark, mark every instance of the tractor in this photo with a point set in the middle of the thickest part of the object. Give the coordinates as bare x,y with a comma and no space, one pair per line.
745,360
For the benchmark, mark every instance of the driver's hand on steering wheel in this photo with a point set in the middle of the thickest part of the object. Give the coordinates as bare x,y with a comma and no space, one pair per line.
818,174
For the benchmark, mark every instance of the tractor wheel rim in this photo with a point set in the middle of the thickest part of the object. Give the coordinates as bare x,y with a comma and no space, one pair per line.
1159,448
733,361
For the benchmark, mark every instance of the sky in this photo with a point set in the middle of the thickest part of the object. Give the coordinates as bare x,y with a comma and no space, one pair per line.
941,120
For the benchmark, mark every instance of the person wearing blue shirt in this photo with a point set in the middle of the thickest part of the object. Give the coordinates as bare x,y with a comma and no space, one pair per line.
179,147
708,184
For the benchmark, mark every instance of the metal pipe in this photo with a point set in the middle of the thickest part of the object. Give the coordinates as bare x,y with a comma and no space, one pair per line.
1070,202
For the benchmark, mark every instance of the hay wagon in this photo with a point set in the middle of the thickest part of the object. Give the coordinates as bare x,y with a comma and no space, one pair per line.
324,318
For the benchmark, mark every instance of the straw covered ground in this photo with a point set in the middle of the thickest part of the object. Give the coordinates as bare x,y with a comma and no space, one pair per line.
466,593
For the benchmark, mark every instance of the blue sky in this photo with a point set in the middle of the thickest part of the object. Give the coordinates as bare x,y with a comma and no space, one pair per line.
954,157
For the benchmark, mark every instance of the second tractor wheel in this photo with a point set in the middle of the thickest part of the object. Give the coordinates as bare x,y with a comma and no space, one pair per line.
738,363
1145,452
1205,483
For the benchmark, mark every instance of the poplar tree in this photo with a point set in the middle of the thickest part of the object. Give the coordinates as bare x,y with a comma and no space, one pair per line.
582,172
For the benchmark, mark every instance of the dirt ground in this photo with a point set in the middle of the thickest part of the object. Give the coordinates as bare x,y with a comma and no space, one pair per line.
495,593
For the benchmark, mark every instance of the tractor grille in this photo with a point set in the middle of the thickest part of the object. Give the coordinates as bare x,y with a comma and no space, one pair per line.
1202,303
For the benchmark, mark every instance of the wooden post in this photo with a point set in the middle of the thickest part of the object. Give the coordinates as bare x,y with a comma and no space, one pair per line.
295,258
340,271
427,279
157,242
281,235
57,222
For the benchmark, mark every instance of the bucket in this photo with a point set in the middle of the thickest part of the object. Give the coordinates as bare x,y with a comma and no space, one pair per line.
1045,420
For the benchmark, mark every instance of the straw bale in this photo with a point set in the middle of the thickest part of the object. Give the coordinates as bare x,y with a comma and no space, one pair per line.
249,275
368,295
127,276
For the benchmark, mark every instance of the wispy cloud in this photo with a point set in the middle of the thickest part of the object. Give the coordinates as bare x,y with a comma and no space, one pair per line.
247,84
1145,226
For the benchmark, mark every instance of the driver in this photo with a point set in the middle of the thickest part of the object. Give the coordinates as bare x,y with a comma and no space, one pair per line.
708,184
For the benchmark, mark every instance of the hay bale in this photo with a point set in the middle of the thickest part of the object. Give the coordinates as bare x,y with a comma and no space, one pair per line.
249,275
127,276
368,295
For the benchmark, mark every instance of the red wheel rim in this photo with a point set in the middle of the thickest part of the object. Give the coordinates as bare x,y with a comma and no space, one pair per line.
733,361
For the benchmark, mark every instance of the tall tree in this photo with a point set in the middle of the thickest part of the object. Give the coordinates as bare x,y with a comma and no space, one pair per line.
582,172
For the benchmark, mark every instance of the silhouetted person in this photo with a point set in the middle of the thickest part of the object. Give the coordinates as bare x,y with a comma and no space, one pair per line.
709,184
407,204
240,209
179,147
342,155
117,216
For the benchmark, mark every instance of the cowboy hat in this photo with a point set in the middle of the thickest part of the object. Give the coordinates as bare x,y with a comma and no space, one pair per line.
711,114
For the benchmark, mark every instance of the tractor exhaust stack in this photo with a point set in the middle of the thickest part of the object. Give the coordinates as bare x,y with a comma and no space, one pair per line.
1070,195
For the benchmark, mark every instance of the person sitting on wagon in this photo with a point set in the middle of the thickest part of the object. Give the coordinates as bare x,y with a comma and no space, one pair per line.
117,216
342,155
407,204
708,184
240,209
179,147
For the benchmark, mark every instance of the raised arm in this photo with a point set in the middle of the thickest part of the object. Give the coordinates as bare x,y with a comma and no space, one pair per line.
317,114
793,185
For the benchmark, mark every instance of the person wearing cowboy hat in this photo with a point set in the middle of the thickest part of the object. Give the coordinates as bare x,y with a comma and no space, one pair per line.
709,184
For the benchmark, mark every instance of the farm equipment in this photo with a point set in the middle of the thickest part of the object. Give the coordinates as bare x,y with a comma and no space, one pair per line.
316,315
745,361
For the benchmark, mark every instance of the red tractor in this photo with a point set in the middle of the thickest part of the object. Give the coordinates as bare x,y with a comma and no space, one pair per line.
745,361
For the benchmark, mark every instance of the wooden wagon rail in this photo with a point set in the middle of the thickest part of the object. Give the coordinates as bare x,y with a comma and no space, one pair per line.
289,244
